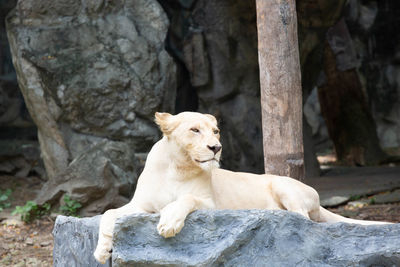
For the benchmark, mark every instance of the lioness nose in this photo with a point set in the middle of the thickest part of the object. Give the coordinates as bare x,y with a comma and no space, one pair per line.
215,148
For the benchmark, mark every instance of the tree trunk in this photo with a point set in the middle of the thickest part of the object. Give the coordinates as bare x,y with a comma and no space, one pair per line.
314,19
345,110
281,96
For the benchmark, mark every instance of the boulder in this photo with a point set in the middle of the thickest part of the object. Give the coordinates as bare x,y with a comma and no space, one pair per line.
75,240
92,74
231,238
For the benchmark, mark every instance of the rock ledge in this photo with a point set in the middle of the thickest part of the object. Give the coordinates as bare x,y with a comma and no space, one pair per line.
230,238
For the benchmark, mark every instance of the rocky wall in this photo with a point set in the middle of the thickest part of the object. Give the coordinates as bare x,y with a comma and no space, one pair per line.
19,149
215,43
371,47
375,38
92,74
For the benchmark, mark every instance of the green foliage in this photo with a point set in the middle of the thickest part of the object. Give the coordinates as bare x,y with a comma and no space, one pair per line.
5,199
71,206
372,201
355,197
31,211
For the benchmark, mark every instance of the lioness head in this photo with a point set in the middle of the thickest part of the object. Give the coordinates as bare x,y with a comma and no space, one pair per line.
195,135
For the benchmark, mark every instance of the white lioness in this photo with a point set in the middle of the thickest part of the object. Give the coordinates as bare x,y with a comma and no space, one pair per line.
182,175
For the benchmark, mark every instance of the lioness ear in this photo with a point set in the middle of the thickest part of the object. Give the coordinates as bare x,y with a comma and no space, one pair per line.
165,122
212,118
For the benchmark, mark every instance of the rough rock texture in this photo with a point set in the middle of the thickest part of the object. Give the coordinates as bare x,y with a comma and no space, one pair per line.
215,42
232,238
12,113
20,158
19,149
74,242
92,73
372,26
232,92
15,122
319,131
370,46
344,106
314,19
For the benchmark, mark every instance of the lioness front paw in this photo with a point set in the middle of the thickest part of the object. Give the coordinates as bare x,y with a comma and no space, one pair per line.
170,222
103,250
169,229
102,255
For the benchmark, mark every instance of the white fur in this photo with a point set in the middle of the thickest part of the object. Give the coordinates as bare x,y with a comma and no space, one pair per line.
179,177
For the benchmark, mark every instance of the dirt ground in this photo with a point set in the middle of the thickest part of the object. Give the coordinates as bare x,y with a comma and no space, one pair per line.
27,245
32,244
24,244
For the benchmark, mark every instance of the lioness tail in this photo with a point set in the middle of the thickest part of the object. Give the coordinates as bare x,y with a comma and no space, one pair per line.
327,216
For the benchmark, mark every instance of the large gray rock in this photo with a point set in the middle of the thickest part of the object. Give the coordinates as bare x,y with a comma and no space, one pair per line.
232,238
92,73
74,242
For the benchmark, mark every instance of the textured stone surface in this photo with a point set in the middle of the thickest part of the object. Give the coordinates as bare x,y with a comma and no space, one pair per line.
74,241
215,42
93,73
233,92
312,114
366,39
257,238
18,138
20,158
229,85
372,28
232,238
314,19
12,112
389,197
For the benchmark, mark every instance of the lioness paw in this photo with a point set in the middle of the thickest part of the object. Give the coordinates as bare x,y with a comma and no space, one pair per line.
169,229
171,220
103,249
102,255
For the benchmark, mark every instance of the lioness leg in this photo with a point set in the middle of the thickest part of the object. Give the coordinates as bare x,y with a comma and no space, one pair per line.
173,215
295,196
106,229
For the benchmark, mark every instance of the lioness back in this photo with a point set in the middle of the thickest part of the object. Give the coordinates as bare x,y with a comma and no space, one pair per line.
237,190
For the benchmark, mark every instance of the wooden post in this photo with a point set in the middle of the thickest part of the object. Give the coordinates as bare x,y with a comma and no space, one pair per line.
281,95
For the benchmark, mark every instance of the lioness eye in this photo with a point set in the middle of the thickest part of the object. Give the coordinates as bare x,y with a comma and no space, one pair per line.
195,130
216,131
